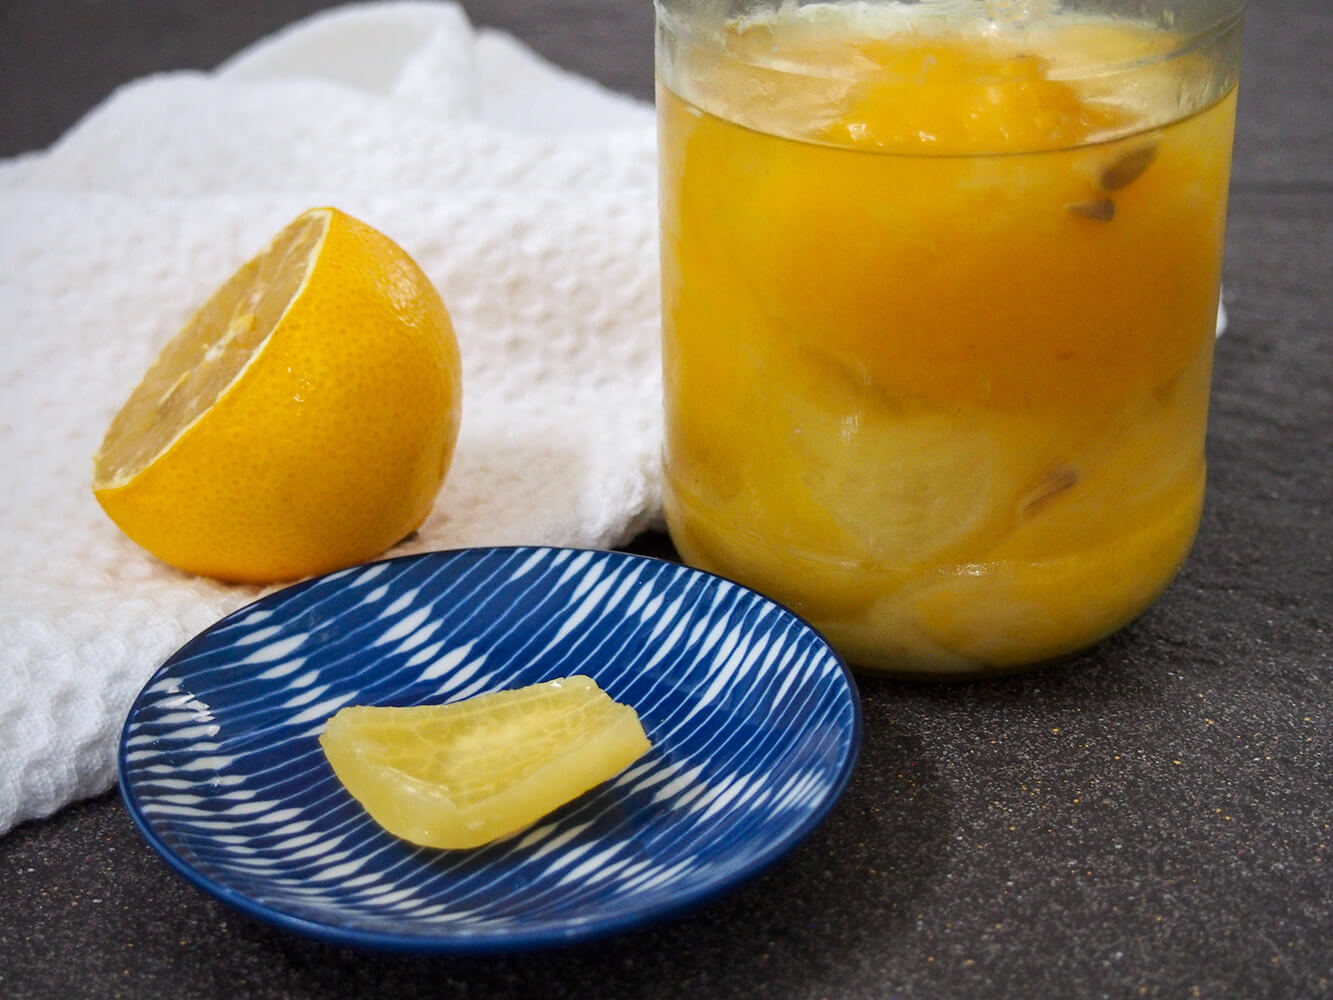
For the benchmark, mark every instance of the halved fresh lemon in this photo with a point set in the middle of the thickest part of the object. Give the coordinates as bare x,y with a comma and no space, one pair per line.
464,774
303,420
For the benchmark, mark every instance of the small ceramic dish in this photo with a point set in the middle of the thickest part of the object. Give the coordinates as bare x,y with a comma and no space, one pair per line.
754,720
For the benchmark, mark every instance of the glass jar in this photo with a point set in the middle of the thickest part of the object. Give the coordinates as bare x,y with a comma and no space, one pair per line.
939,293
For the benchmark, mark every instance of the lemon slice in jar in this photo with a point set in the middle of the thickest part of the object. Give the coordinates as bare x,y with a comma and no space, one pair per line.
465,774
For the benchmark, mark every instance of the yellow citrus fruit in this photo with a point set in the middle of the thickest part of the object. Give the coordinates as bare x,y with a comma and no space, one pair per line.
464,774
1023,611
303,420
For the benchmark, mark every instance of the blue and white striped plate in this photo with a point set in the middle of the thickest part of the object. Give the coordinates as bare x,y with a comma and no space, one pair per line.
754,720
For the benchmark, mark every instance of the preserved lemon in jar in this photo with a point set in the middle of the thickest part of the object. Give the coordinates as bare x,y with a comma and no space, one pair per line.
939,301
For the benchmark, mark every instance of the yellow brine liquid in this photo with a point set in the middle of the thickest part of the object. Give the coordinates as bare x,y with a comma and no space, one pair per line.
938,310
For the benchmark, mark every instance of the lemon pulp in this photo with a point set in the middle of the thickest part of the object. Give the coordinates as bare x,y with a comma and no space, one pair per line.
220,340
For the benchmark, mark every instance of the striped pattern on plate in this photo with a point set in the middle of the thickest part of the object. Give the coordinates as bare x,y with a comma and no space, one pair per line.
754,720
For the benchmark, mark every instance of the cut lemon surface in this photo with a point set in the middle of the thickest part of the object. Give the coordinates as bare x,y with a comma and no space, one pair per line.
304,418
462,775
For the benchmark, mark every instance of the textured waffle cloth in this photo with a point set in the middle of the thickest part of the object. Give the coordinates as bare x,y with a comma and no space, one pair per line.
528,196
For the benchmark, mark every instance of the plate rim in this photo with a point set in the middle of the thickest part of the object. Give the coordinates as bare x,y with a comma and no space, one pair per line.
445,942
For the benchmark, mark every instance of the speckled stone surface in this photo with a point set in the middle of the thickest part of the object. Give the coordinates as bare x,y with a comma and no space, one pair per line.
1151,819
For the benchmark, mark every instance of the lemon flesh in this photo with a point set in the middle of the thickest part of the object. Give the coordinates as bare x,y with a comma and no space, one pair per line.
303,420
468,773
210,353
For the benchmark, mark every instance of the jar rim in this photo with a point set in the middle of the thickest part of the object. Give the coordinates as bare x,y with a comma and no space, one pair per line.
686,25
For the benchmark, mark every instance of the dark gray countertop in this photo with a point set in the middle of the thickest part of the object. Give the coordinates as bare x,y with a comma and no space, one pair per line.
1152,819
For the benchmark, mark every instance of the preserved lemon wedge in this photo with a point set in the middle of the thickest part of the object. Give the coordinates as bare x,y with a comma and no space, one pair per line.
464,774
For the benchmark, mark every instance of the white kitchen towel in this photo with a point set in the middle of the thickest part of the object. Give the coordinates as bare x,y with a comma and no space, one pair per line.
528,196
